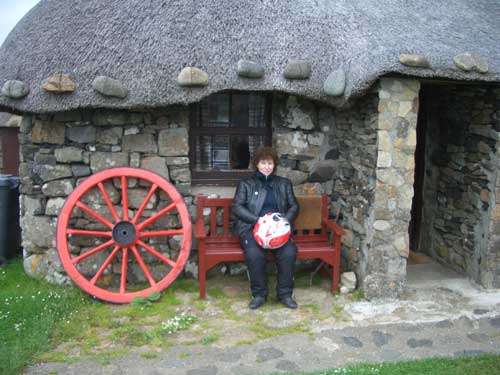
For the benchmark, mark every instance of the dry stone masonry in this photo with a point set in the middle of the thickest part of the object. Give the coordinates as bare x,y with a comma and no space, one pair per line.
461,210
355,154
59,151
373,184
396,142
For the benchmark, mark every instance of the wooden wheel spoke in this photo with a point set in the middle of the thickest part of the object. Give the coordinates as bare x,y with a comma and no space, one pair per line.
161,233
105,265
92,252
145,202
94,214
83,232
123,279
156,253
143,266
108,201
156,216
124,198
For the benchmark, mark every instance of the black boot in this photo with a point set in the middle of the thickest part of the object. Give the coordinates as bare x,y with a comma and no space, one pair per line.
289,302
256,302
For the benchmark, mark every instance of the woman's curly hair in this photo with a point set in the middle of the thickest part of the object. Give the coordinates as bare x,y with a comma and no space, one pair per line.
265,153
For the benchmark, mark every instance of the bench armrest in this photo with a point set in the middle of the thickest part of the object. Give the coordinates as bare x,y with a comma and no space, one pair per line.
199,230
333,226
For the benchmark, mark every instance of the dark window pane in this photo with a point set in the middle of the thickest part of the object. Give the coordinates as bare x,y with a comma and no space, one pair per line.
212,152
203,153
248,110
256,111
254,142
240,152
215,111
239,111
220,152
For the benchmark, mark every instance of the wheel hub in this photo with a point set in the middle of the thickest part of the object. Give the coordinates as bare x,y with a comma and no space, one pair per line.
124,233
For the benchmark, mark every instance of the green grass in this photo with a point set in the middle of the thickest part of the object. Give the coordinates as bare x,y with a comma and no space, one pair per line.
31,313
487,364
314,308
303,279
262,332
207,340
149,355
216,293
358,295
35,317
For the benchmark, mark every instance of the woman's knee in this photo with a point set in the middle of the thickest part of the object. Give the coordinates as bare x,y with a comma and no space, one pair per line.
288,251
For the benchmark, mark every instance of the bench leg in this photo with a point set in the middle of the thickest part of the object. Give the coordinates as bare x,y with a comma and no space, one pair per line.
202,278
336,264
335,278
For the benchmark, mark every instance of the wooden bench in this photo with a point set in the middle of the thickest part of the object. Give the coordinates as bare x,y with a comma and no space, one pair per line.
311,235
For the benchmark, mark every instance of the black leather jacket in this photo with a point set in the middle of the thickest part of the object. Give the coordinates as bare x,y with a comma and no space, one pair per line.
249,199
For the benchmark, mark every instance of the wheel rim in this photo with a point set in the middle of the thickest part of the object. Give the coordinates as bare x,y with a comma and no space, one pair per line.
123,237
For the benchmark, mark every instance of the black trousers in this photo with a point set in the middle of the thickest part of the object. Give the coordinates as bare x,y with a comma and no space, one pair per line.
255,258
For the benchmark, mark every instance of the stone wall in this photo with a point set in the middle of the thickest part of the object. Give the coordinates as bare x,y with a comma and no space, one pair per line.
376,140
461,181
60,151
303,135
491,278
396,142
355,149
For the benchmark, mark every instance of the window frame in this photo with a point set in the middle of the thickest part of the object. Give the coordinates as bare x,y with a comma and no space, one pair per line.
225,178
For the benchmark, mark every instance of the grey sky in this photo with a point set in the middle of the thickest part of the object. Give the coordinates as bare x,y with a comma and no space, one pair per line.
11,11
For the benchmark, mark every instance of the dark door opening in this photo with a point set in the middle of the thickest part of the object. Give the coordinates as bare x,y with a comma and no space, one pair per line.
10,150
418,185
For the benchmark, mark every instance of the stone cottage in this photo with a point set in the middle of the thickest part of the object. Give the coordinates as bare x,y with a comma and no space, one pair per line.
391,107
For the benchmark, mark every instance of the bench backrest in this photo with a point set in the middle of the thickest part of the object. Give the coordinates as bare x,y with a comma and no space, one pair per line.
308,222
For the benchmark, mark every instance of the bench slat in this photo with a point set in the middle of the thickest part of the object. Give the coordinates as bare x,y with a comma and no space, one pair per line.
213,222
225,221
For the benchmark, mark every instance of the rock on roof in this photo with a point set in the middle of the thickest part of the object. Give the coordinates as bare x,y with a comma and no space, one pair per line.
9,120
4,117
145,44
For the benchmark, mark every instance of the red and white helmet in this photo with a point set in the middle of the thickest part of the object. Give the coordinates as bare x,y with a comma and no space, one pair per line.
272,230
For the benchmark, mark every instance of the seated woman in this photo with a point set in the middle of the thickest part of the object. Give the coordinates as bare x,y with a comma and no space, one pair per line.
256,196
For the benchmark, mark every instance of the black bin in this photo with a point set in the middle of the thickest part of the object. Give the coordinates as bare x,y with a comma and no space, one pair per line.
10,239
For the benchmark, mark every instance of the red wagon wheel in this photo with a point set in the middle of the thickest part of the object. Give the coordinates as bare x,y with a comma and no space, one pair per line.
122,231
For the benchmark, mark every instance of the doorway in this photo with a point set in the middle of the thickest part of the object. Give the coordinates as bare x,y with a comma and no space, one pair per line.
10,150
417,204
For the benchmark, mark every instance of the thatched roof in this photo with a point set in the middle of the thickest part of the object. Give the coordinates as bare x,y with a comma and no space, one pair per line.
145,44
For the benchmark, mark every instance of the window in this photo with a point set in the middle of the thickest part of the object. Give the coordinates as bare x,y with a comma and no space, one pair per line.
225,129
